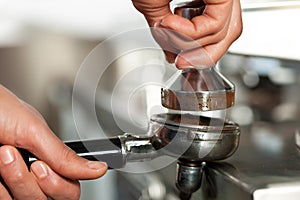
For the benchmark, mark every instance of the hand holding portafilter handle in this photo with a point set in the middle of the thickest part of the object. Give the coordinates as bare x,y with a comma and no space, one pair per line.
22,126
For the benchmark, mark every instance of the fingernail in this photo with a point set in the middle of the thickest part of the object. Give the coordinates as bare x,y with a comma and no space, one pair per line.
99,166
7,156
40,170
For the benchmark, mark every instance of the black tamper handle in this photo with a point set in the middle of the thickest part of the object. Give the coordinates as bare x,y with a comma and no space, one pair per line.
191,9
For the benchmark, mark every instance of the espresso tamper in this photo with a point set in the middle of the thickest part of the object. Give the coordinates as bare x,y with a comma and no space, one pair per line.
197,89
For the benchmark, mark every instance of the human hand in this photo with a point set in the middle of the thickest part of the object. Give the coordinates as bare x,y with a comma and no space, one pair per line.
57,173
201,41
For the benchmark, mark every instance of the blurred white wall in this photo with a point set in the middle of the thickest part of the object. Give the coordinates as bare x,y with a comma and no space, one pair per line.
270,29
88,19
43,43
52,38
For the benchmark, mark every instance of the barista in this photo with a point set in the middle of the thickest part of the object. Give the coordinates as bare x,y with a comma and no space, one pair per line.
59,170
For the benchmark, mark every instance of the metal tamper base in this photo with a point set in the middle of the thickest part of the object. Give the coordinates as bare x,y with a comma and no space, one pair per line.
201,90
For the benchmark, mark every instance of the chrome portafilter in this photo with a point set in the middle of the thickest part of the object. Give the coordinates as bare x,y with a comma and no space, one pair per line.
189,138
193,140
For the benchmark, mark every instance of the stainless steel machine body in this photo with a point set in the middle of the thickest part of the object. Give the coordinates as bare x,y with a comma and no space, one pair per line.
262,168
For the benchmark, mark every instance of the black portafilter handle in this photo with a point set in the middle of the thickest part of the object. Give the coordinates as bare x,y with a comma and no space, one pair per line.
115,151
105,150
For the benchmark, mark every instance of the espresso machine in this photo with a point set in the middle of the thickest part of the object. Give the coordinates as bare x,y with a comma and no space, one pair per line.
184,133
264,166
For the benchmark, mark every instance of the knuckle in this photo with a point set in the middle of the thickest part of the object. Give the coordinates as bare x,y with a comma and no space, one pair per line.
73,192
220,36
75,195
67,156
237,31
28,134
216,26
239,28
28,126
18,178
55,184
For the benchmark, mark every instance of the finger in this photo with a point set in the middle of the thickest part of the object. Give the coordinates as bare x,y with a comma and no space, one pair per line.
212,21
62,159
27,130
183,42
54,185
177,40
14,172
207,56
170,56
161,36
154,12
4,193
210,54
163,41
196,58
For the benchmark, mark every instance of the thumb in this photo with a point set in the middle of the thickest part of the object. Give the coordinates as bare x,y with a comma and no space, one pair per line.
63,160
22,126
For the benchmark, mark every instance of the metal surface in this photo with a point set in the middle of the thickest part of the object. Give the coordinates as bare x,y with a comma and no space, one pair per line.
194,138
188,179
265,167
297,138
200,90
190,138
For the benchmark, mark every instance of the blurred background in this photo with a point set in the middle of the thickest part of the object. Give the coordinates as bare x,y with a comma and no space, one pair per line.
43,43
